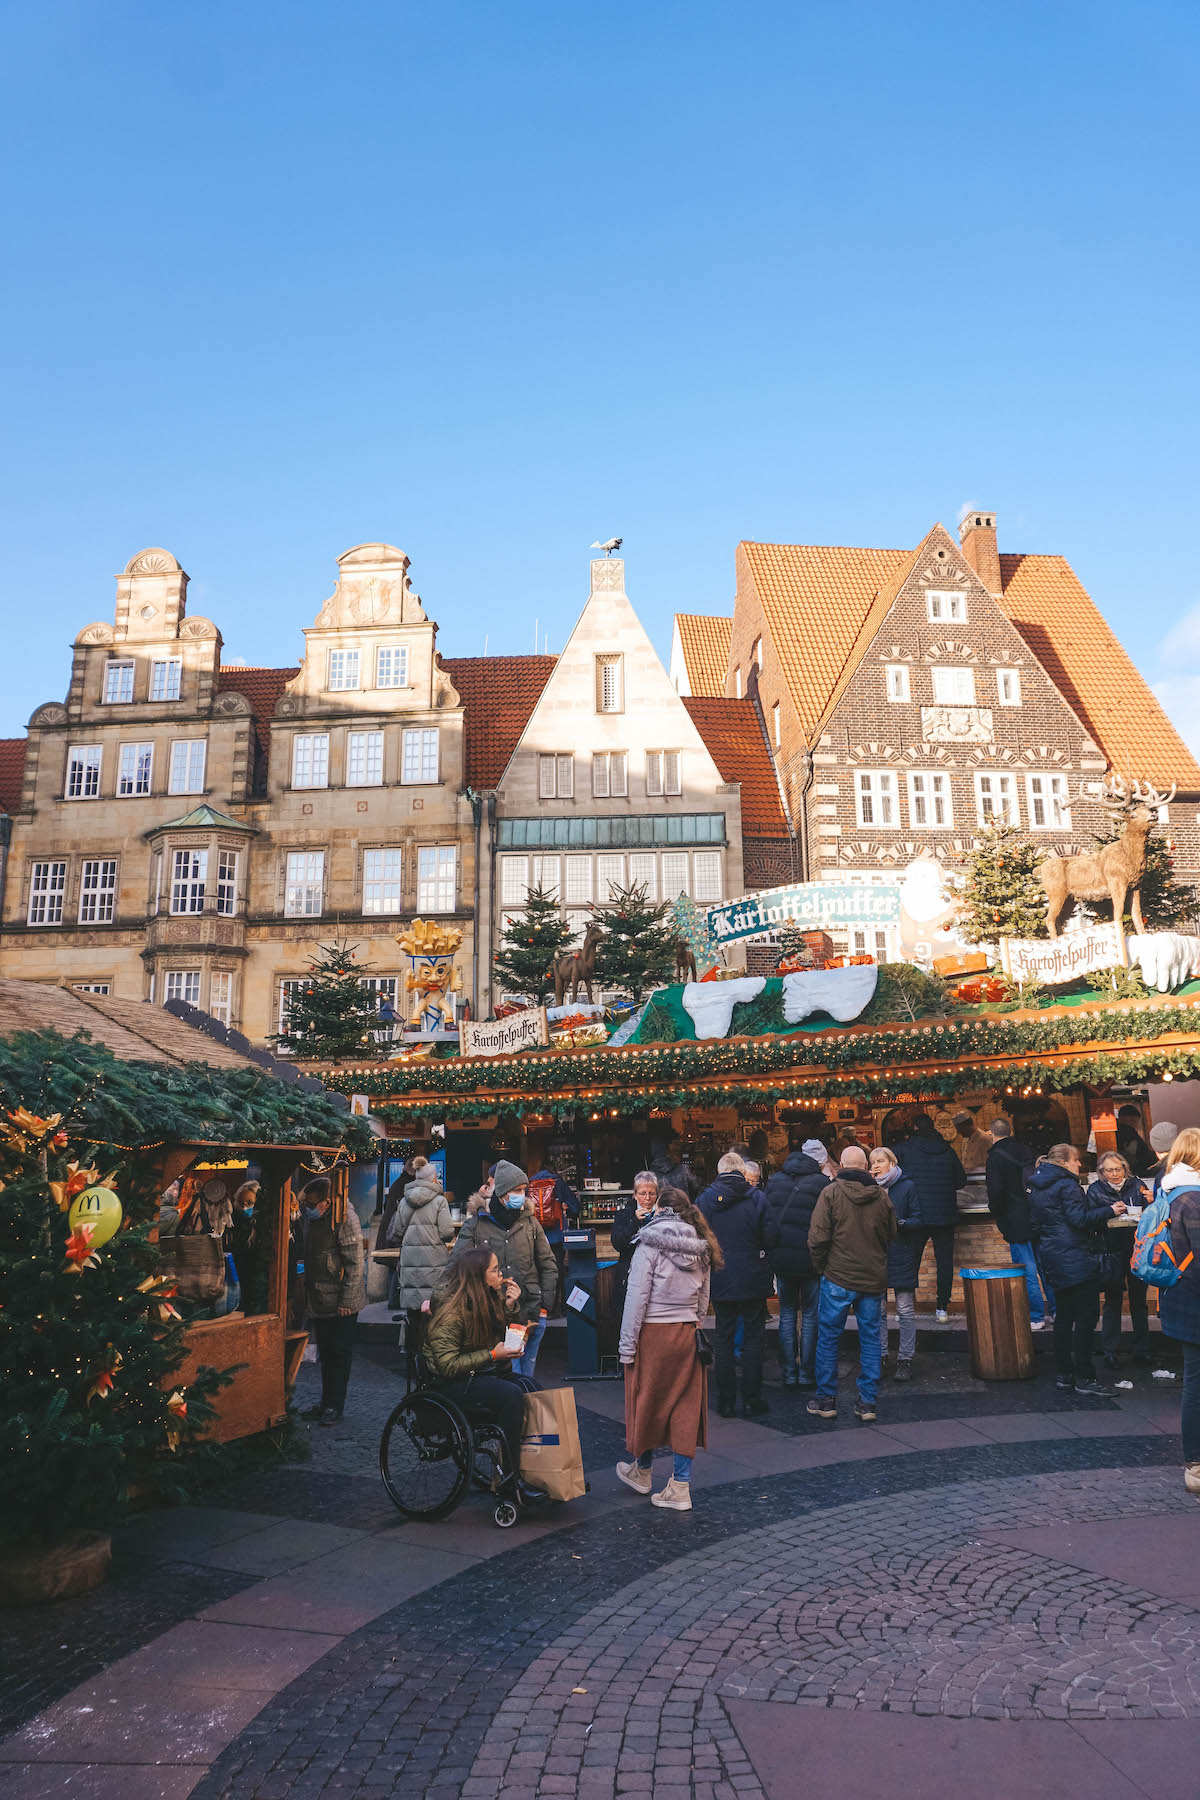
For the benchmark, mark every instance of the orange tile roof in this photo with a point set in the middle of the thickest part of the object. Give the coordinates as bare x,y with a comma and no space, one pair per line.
734,738
262,688
1069,635
705,642
12,773
498,694
816,598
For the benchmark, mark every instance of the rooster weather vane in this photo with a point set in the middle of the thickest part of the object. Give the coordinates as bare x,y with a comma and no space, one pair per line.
610,546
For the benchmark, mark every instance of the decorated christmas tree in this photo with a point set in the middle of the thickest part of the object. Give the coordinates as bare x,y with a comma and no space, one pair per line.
637,950
529,945
89,1338
1003,896
332,1014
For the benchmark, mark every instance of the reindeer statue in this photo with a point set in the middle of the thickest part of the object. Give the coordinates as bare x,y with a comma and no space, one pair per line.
685,960
1113,871
577,966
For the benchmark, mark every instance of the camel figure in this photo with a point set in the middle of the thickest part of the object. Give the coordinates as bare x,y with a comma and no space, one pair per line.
1113,871
575,966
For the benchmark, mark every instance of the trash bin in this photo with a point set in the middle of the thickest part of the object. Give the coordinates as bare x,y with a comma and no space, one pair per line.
997,1305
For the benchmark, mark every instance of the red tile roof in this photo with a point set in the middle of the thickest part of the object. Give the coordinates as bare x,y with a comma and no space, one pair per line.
731,730
704,639
498,694
12,773
262,688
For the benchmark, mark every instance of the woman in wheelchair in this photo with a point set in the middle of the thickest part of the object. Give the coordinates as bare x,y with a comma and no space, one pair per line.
465,1353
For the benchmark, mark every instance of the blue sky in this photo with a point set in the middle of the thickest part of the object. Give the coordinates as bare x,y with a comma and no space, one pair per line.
490,282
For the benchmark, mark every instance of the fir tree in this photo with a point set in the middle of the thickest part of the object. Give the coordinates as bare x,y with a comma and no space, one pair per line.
530,942
1003,896
332,1015
637,950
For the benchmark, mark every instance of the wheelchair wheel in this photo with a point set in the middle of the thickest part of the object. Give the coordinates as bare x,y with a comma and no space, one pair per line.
425,1456
506,1514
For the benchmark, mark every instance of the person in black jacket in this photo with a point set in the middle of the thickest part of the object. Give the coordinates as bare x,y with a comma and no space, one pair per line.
903,1258
791,1194
1131,1144
1008,1165
1116,1181
932,1165
626,1225
1065,1228
745,1229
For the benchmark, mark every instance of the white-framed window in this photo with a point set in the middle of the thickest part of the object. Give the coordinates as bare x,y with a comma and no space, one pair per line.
227,878
220,996
579,881
953,687
996,797
662,772
945,609
756,652
382,870
343,670
706,875
610,684
364,759
382,988
289,987
420,760
83,772
165,678
91,987
47,887
310,760
437,877
609,779
391,666
187,766
135,766
875,794
189,877
929,799
775,724
304,883
556,776
737,684
1049,802
183,984
643,873
547,875
610,875
866,940
577,924
514,880
118,683
98,891
1008,687
675,874
897,681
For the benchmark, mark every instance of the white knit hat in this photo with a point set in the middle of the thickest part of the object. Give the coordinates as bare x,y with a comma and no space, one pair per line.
1162,1136
815,1148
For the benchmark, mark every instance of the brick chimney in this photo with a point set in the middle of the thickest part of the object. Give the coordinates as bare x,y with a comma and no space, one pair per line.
977,534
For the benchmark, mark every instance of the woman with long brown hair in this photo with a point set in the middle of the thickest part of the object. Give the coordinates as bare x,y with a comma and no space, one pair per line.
666,1384
466,1353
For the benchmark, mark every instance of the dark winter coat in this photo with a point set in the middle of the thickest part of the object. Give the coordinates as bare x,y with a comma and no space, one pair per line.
929,1161
1135,1149
1066,1226
744,1226
1007,1176
623,1234
333,1265
521,1250
676,1175
904,1251
791,1195
853,1224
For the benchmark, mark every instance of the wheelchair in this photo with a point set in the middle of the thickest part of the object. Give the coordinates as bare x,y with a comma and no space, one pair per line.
433,1449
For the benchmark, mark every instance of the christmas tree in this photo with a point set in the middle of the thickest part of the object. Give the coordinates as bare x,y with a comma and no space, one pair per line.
333,1014
1003,896
637,950
89,1338
530,942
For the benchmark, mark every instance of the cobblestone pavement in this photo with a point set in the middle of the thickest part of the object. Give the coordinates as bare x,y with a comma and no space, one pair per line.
599,1661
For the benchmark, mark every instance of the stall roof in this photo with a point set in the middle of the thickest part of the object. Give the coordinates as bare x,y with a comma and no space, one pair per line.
133,1030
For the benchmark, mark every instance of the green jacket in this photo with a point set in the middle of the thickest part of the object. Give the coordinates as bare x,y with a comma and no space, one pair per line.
448,1357
524,1254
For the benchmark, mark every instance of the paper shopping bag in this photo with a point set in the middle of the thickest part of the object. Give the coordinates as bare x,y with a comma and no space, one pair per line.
551,1456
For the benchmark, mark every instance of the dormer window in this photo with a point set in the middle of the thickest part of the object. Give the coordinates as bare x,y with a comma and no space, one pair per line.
944,608
391,666
343,670
118,683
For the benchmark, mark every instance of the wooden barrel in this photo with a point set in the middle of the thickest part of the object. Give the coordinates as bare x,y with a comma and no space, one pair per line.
997,1308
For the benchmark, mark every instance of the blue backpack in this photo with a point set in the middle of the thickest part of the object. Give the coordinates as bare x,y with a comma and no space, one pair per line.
1153,1260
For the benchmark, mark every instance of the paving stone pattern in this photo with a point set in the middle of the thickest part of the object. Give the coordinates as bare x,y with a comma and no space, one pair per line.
851,1586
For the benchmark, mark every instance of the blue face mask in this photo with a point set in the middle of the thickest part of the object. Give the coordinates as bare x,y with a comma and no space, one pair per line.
514,1202
312,1212
249,1211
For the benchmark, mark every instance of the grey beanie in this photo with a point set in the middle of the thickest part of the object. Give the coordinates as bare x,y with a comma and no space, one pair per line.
815,1148
508,1177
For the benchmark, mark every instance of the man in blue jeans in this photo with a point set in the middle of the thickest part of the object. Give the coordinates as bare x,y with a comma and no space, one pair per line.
852,1226
1009,1166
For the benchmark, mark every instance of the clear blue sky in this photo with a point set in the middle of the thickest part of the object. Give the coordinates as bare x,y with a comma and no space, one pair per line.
491,281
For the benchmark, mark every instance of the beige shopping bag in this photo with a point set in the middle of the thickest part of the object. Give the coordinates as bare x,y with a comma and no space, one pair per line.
551,1456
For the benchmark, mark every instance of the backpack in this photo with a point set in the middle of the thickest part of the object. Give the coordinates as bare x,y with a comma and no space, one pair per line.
1153,1260
548,1208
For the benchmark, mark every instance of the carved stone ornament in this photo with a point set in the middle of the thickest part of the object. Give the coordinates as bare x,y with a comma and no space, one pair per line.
152,562
608,575
95,634
231,705
286,707
198,628
957,725
53,712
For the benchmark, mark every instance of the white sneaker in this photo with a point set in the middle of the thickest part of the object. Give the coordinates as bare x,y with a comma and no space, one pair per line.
632,1476
941,1316
1039,1325
1191,1478
677,1495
